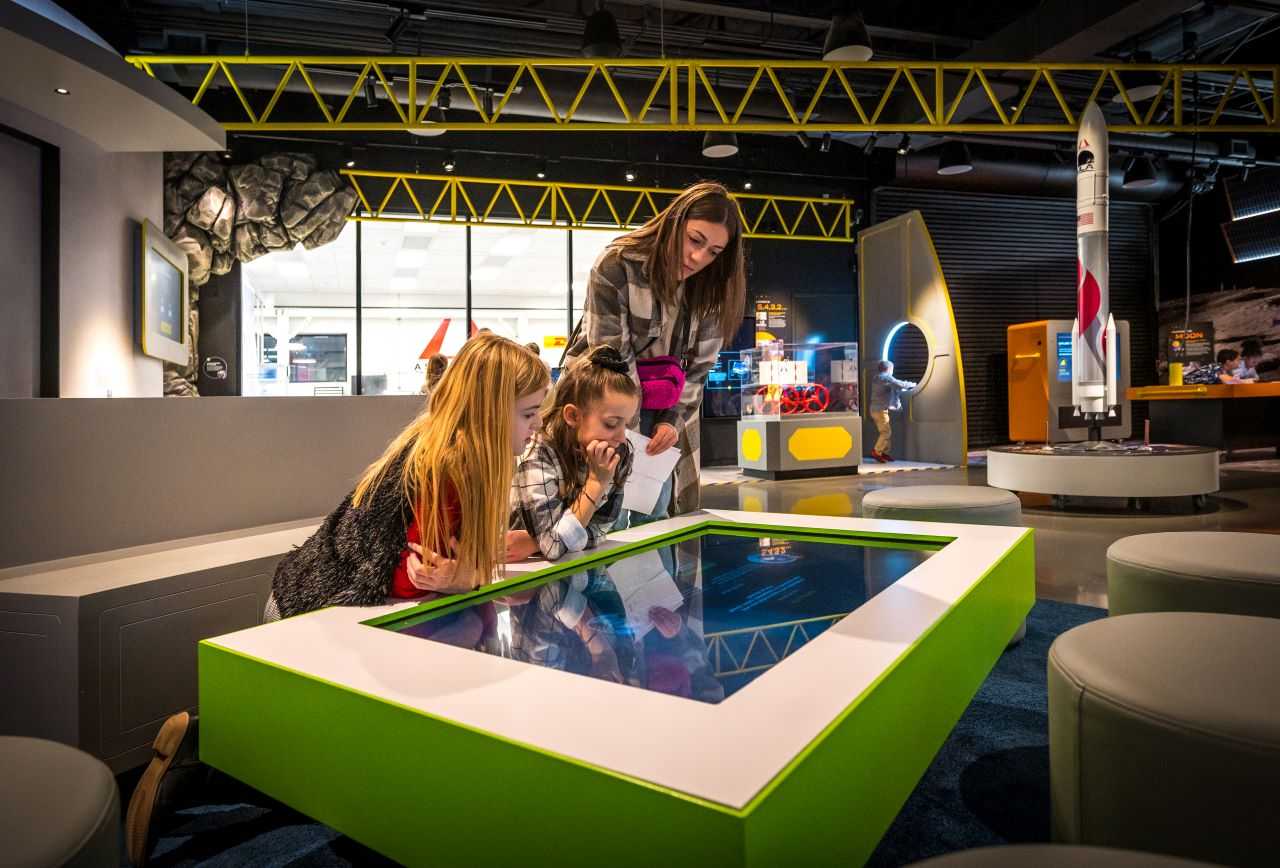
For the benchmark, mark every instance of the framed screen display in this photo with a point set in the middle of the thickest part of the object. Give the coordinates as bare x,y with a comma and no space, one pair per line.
162,299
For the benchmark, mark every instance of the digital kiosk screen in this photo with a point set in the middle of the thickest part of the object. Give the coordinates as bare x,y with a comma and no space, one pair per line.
699,618
164,296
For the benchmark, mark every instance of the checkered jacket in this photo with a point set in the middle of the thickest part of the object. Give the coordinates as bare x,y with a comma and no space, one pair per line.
538,505
622,312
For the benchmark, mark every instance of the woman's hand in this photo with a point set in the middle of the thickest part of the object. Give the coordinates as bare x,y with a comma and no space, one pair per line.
667,622
431,571
663,438
602,461
520,545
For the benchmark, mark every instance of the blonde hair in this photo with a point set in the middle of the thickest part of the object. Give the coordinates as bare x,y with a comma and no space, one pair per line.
720,289
584,381
462,441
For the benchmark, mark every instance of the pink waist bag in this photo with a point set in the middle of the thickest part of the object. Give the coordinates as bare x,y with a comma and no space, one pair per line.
661,382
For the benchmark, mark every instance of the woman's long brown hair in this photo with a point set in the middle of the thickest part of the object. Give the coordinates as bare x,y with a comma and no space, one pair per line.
462,441
584,382
720,289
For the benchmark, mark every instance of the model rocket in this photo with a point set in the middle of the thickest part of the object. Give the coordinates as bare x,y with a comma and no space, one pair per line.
1093,341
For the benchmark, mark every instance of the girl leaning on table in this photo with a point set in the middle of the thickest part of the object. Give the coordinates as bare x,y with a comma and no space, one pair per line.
445,480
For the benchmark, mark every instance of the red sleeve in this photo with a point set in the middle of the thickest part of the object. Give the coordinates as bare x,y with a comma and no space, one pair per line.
401,587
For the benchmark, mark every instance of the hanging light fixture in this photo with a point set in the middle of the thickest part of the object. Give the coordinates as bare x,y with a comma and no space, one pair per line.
600,35
953,159
435,117
718,145
1141,85
824,145
904,145
847,39
746,183
630,174
542,170
450,162
370,93
1139,173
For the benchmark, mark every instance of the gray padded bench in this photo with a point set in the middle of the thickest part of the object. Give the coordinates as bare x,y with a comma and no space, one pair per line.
960,504
1198,571
1053,856
58,806
1164,735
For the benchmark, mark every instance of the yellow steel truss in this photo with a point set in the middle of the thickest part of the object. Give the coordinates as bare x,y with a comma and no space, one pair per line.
760,653
400,197
767,96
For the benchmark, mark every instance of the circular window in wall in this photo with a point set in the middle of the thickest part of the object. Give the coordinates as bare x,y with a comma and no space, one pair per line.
907,348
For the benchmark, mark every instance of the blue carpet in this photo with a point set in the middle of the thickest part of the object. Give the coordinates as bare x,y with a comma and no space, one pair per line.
989,784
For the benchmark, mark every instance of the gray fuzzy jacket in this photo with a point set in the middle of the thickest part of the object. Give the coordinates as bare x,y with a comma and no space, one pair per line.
351,558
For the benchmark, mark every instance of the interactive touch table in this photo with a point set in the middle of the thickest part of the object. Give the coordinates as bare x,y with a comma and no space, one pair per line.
722,688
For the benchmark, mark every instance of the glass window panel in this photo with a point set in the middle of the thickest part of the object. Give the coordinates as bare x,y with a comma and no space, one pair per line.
414,298
588,244
299,320
518,285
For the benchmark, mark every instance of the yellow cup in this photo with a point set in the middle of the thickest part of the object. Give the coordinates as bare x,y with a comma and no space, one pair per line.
1175,373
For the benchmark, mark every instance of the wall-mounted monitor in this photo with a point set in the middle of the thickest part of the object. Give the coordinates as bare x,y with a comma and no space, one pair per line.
161,314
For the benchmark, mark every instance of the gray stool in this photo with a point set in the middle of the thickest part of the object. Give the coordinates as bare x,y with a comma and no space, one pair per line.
959,504
1164,735
58,806
1053,856
1201,571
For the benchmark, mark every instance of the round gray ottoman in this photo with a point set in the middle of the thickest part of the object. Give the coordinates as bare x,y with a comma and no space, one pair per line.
1201,571
58,806
961,504
1164,735
1053,856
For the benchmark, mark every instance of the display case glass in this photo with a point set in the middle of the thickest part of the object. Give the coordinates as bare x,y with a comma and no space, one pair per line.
799,379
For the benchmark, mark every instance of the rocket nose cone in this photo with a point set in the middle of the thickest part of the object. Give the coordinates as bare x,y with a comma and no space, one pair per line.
1093,128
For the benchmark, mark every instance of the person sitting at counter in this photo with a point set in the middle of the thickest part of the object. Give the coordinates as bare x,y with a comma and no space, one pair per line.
886,395
1251,350
567,490
429,515
1224,372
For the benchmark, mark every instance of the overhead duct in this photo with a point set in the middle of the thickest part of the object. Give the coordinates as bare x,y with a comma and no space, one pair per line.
1020,176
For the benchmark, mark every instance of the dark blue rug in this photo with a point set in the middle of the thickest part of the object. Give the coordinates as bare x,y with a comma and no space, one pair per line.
988,785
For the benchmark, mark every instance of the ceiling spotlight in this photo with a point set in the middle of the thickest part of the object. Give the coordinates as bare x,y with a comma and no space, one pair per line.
600,35
398,27
432,124
542,170
1141,85
348,157
869,145
486,102
746,184
718,145
370,93
953,159
444,100
450,162
904,145
630,175
226,156
848,38
61,91
825,144
1139,173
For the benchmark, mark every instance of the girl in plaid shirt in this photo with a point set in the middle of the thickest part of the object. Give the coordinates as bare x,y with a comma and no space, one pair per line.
567,490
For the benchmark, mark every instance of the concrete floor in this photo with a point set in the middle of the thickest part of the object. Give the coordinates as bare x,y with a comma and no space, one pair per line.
1071,543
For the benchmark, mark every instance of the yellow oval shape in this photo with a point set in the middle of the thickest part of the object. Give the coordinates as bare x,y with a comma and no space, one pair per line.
819,444
752,447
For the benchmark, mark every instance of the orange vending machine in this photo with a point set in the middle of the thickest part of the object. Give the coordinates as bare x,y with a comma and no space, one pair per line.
1040,408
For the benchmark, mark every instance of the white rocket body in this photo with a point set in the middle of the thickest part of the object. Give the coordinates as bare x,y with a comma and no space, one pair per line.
1093,367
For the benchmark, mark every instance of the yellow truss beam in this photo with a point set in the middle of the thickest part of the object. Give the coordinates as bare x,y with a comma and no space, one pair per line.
392,197
760,653
766,96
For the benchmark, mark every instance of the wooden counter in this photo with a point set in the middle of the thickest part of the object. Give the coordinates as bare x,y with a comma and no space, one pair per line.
1211,415
1191,391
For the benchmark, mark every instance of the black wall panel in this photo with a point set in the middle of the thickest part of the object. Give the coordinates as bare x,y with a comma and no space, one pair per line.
1012,259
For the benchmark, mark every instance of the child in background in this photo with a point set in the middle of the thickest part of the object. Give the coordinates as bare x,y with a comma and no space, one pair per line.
1251,351
567,491
435,370
445,479
886,392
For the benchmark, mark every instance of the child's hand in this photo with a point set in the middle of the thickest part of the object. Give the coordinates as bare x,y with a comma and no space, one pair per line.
667,622
664,437
430,571
520,545
602,460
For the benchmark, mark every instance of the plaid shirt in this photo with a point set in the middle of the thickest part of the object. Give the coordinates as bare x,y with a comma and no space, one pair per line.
538,506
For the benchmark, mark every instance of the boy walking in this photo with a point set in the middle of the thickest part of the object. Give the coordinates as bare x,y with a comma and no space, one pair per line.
886,395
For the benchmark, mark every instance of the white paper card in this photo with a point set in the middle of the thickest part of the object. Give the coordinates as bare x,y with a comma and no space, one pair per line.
648,473
643,582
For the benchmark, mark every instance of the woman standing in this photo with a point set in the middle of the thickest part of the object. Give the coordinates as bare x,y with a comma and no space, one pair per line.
666,296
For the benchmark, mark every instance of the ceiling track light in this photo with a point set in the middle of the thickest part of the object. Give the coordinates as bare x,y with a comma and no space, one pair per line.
444,100
433,124
824,145
954,159
869,146
370,93
847,38
542,170
398,27
718,145
904,145
1139,173
600,34
450,162
62,91
630,174
746,183
348,157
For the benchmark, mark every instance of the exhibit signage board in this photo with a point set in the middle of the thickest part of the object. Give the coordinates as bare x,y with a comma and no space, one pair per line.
1193,344
722,688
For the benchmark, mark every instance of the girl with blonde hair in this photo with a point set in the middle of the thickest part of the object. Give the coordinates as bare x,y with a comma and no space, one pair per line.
430,514
666,297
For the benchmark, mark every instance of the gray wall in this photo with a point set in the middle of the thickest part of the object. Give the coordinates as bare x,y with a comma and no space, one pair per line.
20,254
101,194
83,476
